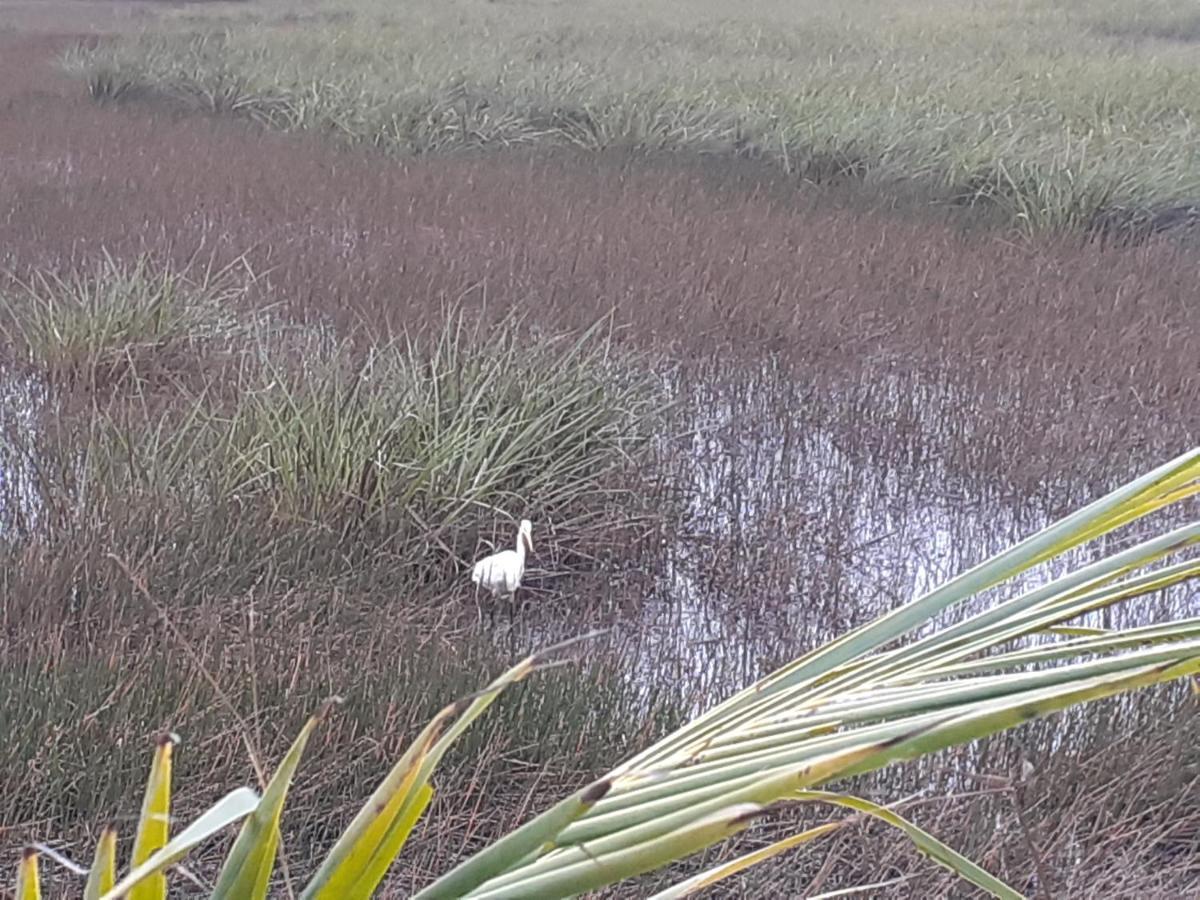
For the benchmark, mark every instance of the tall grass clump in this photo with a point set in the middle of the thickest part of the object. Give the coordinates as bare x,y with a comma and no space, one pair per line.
420,441
1051,119
305,454
95,325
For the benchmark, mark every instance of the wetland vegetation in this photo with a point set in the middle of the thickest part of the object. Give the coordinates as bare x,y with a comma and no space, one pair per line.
753,392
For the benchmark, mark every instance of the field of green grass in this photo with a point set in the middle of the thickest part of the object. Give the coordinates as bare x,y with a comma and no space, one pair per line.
1053,114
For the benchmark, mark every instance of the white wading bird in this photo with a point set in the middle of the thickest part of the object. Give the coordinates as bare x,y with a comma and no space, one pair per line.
501,572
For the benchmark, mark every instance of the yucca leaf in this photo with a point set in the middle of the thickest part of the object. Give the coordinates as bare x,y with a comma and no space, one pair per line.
515,846
231,808
600,869
709,877
28,881
391,845
1076,631
350,856
702,782
368,845
981,720
246,872
630,828
155,821
1104,642
103,873
957,641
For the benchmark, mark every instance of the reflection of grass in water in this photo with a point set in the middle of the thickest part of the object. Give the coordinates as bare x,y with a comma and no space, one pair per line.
1036,111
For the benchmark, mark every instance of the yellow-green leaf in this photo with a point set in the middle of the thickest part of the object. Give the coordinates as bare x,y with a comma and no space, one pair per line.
233,807
365,844
379,863
103,873
345,863
154,824
28,883
709,877
246,872
1075,631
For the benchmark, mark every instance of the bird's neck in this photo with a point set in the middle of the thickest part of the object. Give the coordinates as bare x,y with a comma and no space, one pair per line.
521,547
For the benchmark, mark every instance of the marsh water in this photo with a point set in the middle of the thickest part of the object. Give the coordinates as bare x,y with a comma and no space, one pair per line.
792,528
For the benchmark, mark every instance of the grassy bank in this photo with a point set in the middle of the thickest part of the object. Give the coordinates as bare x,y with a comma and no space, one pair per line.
1055,116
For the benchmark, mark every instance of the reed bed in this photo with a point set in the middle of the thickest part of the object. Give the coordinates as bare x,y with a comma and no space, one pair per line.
1052,116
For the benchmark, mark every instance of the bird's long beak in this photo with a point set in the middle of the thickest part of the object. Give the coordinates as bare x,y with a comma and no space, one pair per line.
528,542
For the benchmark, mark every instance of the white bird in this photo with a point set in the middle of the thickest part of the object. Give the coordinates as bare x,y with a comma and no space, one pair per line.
501,572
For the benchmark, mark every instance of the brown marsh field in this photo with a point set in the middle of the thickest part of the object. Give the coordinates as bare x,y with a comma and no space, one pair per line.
270,382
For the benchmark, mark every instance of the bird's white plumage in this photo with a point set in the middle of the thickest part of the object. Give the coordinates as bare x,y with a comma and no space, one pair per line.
501,572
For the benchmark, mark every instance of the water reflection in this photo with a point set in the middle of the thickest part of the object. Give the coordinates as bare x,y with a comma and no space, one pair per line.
793,528
22,398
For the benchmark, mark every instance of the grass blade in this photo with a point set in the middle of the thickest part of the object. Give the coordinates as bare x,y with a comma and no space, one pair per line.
103,873
155,821
923,840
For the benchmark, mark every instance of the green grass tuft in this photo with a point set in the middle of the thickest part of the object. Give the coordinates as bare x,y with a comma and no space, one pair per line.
99,325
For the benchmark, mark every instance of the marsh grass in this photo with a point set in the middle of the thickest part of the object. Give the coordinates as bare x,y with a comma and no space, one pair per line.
418,441
280,611
100,325
1033,110
315,455
866,400
306,502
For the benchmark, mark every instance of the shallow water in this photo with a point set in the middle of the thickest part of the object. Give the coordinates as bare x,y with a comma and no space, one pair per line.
786,524
792,532
21,400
